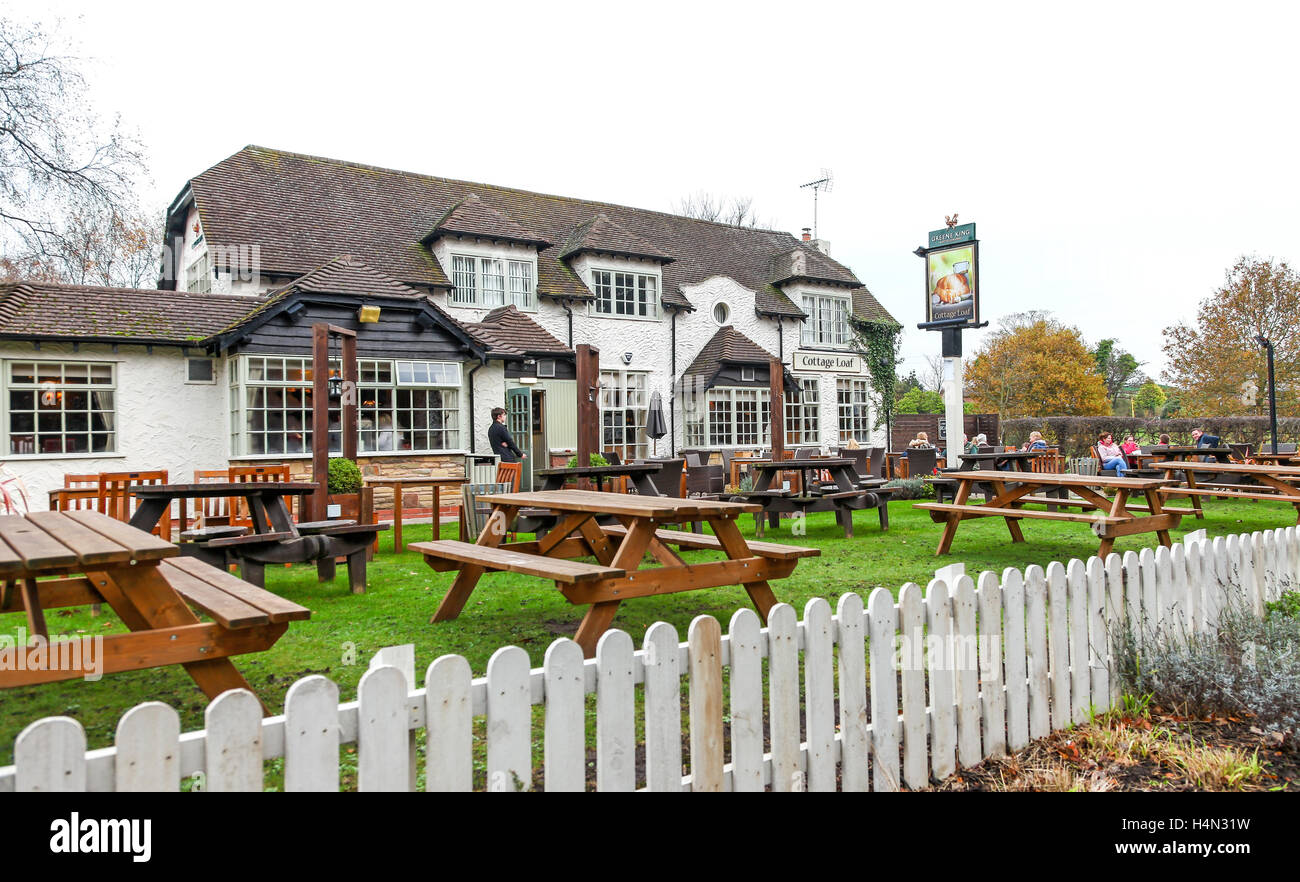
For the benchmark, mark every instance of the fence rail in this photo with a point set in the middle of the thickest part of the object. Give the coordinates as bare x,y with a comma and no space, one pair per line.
953,674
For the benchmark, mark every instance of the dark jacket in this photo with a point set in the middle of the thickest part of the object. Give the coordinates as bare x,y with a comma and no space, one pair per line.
1208,440
501,443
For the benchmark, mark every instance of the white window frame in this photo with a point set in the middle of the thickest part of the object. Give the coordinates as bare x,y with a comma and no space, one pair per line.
198,275
644,290
827,325
518,281
624,393
803,417
728,399
40,389
853,409
192,382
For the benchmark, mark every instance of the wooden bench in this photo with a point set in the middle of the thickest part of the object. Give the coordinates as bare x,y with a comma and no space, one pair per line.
231,602
695,541
937,515
449,554
207,534
310,527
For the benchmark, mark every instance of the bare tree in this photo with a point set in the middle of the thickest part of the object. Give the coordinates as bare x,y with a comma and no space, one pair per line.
737,211
932,378
61,168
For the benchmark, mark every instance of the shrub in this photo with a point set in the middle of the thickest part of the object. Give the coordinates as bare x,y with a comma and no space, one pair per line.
596,460
911,488
344,476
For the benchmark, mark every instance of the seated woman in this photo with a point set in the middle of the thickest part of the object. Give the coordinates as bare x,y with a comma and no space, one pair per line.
1035,442
1164,439
1130,449
921,440
1110,454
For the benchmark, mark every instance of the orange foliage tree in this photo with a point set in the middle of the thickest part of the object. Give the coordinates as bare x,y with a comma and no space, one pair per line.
1033,365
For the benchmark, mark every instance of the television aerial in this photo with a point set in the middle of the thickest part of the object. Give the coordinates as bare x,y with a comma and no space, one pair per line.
822,185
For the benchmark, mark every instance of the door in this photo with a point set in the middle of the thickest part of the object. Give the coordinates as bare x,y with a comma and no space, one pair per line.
537,443
519,420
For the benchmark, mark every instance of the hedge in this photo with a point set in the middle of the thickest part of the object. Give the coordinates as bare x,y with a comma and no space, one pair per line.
1075,434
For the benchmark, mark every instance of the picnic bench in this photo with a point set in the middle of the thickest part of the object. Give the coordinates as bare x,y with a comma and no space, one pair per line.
55,560
619,550
1109,518
1272,483
845,492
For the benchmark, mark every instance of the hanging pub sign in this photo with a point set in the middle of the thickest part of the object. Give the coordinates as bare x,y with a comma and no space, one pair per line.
952,277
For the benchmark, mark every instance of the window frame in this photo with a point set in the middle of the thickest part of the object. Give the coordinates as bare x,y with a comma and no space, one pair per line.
507,274
827,324
804,413
651,293
635,400
855,413
38,388
760,436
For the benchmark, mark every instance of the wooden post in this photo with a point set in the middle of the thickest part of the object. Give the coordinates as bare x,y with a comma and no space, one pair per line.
776,384
588,368
320,419
351,394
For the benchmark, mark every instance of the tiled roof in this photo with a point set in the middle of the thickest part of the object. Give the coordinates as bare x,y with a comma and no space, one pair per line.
508,332
302,210
727,344
865,305
470,217
600,234
89,312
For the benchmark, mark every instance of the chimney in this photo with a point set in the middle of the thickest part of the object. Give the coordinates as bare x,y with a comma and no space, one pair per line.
807,234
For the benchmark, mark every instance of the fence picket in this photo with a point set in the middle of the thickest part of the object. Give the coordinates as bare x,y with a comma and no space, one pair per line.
663,708
1164,589
855,740
509,720
966,664
1259,553
1194,608
1098,655
783,697
939,667
615,713
1133,594
1115,622
148,745
564,750
882,624
50,757
1216,589
746,683
911,626
1076,580
1151,612
992,680
705,659
449,731
311,736
233,763
1058,645
1036,651
383,761
1013,638
819,694
1180,622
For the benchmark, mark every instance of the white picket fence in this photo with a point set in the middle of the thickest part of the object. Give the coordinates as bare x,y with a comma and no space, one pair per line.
950,675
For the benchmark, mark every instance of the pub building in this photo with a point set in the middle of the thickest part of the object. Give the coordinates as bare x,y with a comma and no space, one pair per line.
463,297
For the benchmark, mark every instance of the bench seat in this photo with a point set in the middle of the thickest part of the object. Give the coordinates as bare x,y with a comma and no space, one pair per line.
321,526
774,550
937,513
513,561
229,601
208,533
250,539
1219,491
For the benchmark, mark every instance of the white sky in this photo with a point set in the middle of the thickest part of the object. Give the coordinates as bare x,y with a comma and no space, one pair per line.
1117,157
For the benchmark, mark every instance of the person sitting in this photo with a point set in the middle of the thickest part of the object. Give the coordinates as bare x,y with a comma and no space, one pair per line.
1035,442
1110,454
1164,439
1130,448
921,440
1203,439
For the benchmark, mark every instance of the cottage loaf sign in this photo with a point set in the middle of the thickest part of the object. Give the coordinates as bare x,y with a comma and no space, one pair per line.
837,362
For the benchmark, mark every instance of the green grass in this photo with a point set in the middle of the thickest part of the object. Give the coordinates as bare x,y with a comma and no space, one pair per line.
507,609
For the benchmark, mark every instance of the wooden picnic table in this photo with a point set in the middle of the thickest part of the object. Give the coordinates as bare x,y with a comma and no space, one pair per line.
52,560
1180,452
1265,458
1273,482
1108,517
1018,459
638,473
275,539
415,483
845,493
620,550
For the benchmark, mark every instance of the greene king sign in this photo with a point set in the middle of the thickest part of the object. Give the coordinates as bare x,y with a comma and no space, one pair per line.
835,362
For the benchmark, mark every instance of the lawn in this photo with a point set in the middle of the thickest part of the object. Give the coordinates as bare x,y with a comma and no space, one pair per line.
345,630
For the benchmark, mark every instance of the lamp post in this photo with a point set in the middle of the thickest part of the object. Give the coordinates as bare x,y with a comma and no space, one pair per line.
1272,391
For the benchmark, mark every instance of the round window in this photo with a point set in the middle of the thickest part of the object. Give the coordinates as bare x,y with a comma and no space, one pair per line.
721,313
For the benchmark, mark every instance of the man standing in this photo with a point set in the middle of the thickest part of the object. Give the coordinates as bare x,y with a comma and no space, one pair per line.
499,438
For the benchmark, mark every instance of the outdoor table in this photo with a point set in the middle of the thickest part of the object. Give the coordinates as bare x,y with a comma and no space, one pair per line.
638,473
844,494
275,539
619,550
92,558
1275,482
1109,519
414,483
1017,459
1275,458
1178,452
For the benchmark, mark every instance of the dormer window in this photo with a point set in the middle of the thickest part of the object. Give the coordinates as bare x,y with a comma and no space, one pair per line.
631,295
828,320
492,281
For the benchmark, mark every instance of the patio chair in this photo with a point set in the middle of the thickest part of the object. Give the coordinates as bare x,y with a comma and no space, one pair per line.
1100,471
668,480
612,457
861,457
703,480
510,473
116,501
474,513
215,511
79,493
876,469
921,461
238,506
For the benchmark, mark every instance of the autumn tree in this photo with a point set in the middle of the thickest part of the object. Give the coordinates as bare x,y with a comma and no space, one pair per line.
1033,365
1149,398
1208,363
1116,366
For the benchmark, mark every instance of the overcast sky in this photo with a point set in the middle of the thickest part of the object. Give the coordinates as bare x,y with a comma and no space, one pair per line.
1117,158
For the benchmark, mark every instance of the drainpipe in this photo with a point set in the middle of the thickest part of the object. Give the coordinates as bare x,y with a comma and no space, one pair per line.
470,379
569,312
780,340
672,389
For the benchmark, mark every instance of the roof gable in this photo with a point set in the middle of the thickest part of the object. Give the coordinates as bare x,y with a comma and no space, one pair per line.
470,217
600,234
727,345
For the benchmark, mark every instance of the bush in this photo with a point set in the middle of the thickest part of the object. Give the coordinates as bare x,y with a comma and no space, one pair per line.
911,488
344,476
596,460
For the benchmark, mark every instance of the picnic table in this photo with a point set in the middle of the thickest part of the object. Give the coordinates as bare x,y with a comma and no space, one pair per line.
1017,459
1181,452
1272,482
1275,458
619,550
398,484
1108,517
638,473
275,539
52,560
844,494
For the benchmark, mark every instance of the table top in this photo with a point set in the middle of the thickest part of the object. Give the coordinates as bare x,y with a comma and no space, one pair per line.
48,542
623,504
428,480
1233,468
1278,457
231,488
617,471
1160,449
787,464
1004,454
1057,479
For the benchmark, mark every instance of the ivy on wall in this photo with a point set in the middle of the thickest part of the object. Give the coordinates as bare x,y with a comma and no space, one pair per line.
879,343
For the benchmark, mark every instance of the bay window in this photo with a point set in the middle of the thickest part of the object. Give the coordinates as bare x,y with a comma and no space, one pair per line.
739,417
492,281
828,321
60,407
